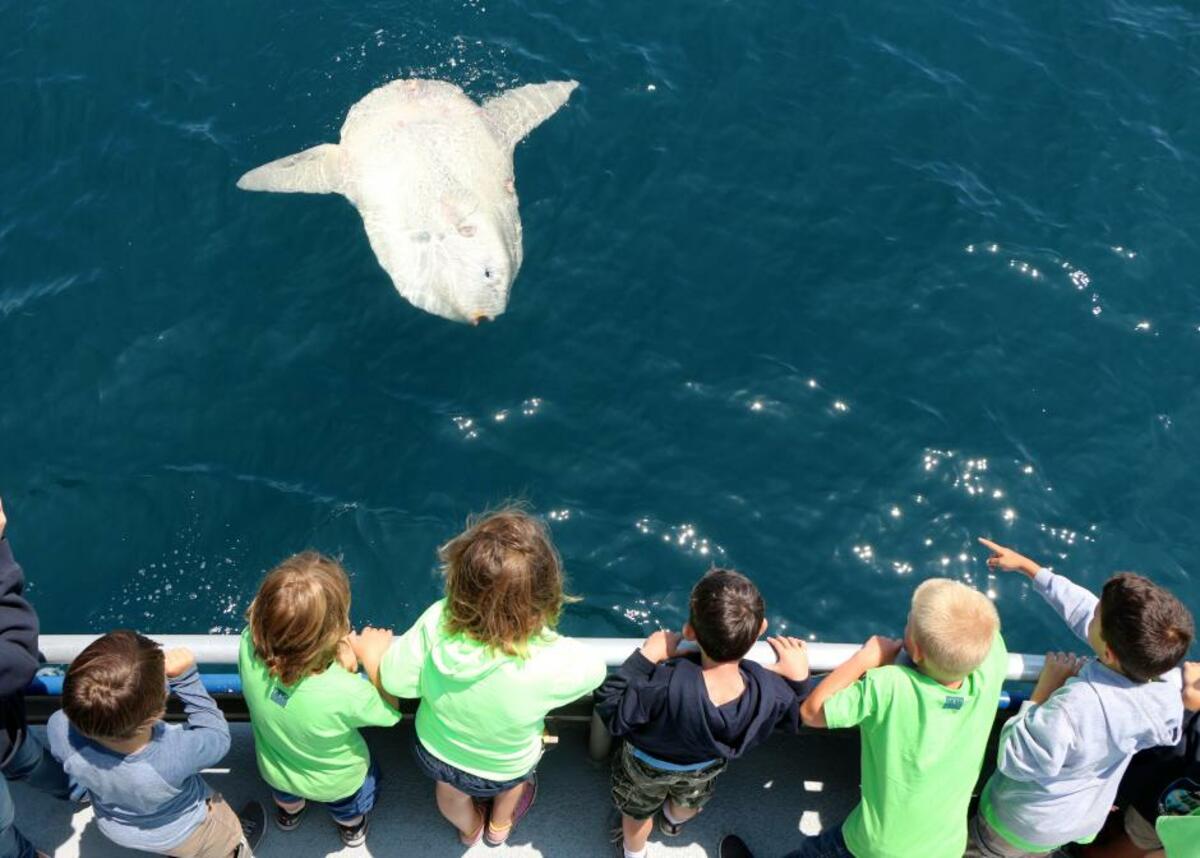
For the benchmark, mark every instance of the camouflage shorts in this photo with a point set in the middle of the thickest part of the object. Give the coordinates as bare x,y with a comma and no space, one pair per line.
639,789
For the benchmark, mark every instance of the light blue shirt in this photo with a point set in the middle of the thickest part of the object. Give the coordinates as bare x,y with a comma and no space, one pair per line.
154,798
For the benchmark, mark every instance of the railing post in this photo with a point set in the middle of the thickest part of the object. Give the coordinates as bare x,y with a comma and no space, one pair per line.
599,739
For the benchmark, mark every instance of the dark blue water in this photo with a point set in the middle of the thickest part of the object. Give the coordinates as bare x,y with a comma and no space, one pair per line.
821,292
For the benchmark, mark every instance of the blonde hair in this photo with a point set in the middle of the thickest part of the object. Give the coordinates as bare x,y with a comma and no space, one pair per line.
300,614
953,625
504,580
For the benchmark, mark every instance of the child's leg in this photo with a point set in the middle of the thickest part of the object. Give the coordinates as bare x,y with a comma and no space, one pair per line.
459,810
677,814
635,832
504,805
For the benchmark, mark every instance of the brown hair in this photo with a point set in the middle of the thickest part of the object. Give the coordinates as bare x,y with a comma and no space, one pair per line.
1147,628
504,580
115,685
301,612
726,614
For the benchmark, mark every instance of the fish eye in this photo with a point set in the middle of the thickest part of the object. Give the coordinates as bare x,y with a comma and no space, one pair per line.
487,272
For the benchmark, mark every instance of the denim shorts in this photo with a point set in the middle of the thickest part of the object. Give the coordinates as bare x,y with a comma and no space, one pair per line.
472,785
350,807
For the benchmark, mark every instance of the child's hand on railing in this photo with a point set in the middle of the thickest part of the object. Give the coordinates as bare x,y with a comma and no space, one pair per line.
3,519
793,658
1060,666
178,661
661,645
879,651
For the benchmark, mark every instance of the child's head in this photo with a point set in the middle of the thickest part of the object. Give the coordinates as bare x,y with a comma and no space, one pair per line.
1140,628
300,614
950,628
504,580
115,686
726,615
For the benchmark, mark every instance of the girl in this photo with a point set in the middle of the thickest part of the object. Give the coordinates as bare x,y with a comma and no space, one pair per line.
487,665
306,700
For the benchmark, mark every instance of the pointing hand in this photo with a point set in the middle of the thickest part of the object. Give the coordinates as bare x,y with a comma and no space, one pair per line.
1009,560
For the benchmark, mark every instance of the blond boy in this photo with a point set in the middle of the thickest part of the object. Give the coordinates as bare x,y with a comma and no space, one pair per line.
924,726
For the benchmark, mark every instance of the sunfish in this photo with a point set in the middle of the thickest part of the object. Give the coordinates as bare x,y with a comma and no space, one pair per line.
431,173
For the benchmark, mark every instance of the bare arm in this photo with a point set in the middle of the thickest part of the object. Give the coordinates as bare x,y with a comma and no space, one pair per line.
876,652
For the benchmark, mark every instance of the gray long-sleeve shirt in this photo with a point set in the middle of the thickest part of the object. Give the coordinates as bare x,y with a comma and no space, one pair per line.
1059,763
154,798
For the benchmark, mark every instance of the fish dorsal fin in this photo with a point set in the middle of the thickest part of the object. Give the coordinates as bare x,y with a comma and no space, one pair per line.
517,112
319,170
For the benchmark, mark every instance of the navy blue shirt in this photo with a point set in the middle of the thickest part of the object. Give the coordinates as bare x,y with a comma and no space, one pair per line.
18,649
664,709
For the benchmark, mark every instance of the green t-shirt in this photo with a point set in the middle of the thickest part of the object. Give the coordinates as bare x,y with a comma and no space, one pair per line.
306,735
922,746
482,711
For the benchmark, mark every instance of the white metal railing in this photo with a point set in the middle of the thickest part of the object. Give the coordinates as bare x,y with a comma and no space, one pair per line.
223,649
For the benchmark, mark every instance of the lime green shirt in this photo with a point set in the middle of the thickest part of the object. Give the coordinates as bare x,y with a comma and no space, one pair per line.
306,735
483,711
922,746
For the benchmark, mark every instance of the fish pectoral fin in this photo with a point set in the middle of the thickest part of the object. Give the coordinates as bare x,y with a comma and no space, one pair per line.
517,112
319,170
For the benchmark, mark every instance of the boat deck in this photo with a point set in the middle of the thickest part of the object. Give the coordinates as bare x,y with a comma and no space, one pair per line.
792,784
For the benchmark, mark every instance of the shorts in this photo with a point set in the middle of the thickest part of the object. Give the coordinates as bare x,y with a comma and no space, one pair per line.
472,785
1140,831
346,809
639,789
218,836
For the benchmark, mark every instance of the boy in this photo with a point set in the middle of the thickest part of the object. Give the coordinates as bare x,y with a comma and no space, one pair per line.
1062,756
924,728
22,756
684,716
142,773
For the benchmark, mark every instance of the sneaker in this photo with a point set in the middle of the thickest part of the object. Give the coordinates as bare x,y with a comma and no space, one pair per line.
286,821
253,817
733,846
354,835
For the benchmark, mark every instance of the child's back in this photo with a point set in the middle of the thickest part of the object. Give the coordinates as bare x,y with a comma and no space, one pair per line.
924,727
1062,756
142,774
922,747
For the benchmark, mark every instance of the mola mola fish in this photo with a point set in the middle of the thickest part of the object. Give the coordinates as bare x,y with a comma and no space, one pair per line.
431,173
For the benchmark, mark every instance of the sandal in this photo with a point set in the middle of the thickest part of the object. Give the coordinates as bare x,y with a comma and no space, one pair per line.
496,835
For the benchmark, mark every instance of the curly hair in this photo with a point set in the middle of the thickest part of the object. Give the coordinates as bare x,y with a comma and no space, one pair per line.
301,612
504,580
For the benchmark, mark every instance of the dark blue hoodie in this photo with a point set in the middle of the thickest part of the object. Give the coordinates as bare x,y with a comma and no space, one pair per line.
664,709
18,650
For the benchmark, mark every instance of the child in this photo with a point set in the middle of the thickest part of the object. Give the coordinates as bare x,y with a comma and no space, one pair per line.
924,728
487,665
143,774
306,699
22,756
1061,757
1161,781
685,717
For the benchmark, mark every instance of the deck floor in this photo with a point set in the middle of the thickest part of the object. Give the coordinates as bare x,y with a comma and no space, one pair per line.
792,784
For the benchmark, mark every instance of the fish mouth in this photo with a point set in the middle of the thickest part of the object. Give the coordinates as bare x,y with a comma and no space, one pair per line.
479,318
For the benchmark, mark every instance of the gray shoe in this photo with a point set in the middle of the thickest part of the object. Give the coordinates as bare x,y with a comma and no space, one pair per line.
253,818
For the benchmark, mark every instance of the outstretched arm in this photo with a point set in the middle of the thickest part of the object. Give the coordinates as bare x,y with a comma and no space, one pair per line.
1073,603
876,652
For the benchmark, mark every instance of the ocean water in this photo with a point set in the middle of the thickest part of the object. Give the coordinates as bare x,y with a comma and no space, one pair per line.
821,292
